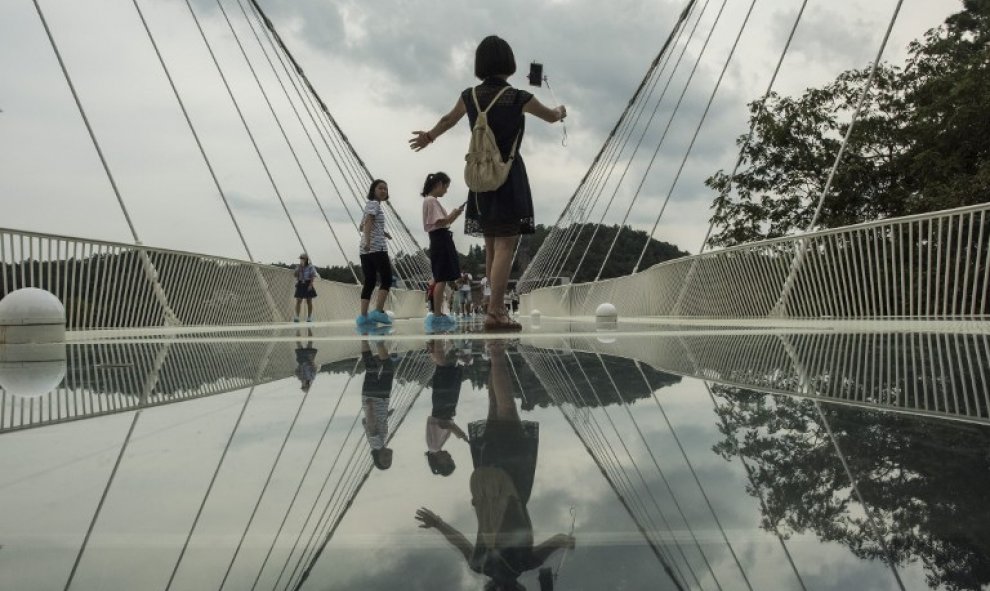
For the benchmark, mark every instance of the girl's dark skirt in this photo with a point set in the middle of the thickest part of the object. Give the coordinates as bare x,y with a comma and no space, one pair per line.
443,256
305,291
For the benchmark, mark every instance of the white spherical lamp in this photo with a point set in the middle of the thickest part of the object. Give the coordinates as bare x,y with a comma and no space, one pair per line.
31,315
606,313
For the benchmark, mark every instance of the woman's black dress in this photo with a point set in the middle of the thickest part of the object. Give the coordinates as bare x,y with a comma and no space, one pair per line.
508,210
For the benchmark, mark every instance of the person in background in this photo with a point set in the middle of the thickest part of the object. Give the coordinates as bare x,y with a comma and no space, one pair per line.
443,255
486,292
306,275
465,289
505,213
375,264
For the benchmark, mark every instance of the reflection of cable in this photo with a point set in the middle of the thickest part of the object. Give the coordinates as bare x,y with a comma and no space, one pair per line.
563,140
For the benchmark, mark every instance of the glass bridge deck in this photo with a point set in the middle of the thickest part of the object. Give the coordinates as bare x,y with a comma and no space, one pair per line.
570,456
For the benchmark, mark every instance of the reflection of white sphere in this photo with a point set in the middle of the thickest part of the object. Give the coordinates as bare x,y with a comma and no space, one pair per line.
606,340
31,315
31,370
606,311
535,315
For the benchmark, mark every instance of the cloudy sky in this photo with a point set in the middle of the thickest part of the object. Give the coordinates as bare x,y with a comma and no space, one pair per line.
384,68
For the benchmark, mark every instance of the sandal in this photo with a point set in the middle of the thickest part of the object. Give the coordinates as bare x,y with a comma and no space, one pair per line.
500,323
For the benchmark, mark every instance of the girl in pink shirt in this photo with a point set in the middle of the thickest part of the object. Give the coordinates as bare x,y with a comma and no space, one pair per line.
443,255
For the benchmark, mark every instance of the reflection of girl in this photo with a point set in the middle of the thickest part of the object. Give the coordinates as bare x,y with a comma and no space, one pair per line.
503,449
375,395
305,364
447,378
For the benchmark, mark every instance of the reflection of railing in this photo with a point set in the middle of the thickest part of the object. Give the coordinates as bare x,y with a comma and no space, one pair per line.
932,373
118,285
109,378
922,266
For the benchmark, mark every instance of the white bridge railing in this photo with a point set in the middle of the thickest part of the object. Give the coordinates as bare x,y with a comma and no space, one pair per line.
118,285
923,266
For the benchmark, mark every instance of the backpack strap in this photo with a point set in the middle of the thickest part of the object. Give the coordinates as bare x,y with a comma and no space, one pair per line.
474,95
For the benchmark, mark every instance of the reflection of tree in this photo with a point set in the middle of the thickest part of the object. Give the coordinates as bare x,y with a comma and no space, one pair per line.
925,481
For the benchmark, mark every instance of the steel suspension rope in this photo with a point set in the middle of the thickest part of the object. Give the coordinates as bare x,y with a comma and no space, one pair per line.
617,479
302,480
306,101
642,136
656,152
417,251
247,128
223,455
149,268
622,119
266,291
592,192
752,128
281,128
694,137
781,304
349,173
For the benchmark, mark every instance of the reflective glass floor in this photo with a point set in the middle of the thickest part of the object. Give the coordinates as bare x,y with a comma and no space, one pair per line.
565,457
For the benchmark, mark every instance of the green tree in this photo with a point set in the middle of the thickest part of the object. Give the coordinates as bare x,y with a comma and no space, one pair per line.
921,144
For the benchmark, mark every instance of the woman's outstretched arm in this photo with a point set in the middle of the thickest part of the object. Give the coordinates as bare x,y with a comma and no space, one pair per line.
534,107
430,519
421,139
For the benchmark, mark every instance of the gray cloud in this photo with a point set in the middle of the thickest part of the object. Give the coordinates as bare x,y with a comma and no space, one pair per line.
383,68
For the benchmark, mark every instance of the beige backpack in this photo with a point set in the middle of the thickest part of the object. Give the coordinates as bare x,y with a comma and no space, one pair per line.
484,169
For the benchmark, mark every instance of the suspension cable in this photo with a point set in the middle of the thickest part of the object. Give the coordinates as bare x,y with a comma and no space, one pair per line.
223,455
620,122
855,117
694,138
85,119
306,102
752,128
247,128
663,137
642,136
416,251
302,480
192,129
281,128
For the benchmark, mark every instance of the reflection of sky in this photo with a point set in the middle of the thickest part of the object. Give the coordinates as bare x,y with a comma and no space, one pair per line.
51,480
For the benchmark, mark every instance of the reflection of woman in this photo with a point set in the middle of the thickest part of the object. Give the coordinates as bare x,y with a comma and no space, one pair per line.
446,382
503,450
375,396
